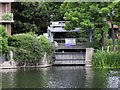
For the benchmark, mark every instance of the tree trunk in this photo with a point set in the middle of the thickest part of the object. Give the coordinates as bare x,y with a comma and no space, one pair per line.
102,39
113,35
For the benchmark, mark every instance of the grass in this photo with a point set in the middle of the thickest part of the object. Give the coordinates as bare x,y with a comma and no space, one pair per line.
104,59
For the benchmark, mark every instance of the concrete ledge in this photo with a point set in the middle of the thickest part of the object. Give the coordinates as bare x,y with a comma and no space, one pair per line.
88,66
40,66
9,67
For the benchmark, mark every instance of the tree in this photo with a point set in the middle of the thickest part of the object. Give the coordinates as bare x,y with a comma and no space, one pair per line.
3,40
117,13
53,9
88,15
34,16
114,17
29,16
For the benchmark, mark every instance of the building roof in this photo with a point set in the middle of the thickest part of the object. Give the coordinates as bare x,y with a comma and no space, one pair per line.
58,26
63,30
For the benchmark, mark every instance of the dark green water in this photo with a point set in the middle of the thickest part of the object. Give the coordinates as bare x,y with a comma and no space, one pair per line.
61,77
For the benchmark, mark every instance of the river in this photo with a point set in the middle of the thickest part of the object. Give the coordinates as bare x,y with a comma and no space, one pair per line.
61,77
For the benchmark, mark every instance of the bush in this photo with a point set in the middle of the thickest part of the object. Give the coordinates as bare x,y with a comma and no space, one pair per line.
118,41
26,48
32,33
45,44
95,44
104,59
3,40
108,42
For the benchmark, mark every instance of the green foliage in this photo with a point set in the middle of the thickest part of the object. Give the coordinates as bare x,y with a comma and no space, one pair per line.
118,45
95,44
45,44
32,33
95,15
118,41
108,42
54,12
104,59
116,17
34,16
26,48
3,40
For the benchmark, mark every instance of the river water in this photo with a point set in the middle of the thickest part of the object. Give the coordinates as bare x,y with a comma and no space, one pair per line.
61,77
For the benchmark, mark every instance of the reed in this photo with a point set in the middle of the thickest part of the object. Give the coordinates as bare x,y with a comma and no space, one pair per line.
105,59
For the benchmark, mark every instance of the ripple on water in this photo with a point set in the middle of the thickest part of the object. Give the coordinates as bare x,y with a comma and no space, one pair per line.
113,79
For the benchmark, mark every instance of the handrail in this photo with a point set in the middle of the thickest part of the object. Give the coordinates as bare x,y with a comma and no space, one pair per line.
78,40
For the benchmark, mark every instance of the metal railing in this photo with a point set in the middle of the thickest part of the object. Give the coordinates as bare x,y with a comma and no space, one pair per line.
77,42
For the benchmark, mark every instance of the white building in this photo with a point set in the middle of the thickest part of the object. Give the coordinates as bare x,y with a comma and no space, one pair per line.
56,29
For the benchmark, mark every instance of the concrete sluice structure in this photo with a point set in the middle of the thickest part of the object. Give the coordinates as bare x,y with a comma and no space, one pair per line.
68,50
69,57
73,57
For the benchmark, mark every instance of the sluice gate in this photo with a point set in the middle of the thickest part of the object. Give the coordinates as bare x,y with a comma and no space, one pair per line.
69,57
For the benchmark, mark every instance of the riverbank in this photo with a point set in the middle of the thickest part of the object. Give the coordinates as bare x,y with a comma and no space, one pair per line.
106,59
40,66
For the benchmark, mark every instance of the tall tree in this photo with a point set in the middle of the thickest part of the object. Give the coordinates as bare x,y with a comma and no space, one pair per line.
29,16
114,17
34,16
88,15
53,9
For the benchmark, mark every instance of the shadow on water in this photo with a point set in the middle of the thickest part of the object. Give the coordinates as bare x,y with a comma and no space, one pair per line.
61,77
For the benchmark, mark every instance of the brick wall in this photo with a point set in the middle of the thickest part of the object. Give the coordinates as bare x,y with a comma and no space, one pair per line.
6,8
8,28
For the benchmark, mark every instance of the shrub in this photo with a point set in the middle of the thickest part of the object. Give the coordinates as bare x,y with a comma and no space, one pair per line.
108,42
104,59
118,41
3,40
32,33
95,44
45,44
26,48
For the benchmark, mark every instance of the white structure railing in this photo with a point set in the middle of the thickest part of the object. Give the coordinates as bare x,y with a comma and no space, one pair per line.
71,41
6,17
6,1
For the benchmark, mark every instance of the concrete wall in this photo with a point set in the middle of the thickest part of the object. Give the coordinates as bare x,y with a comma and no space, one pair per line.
6,7
88,57
69,58
69,55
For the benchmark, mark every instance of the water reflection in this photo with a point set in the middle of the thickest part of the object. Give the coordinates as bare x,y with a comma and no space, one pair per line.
60,77
113,80
67,77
